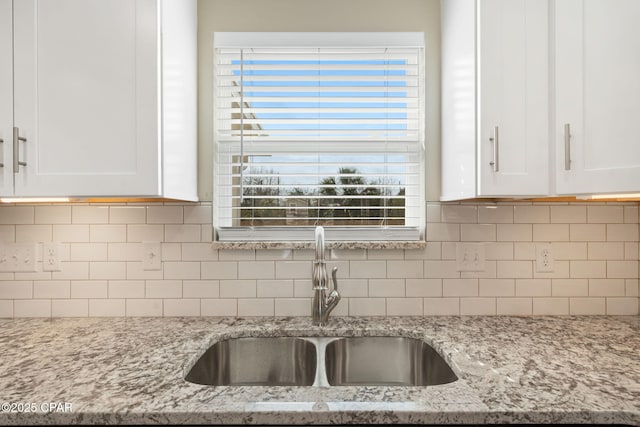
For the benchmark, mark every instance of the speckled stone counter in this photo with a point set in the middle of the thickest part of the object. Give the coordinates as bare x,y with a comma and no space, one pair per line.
512,370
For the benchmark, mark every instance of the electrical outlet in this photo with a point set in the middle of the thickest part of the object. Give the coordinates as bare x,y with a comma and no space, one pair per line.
152,256
51,256
470,257
18,257
544,258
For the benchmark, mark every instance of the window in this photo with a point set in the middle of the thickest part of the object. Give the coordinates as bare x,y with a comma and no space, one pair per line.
319,129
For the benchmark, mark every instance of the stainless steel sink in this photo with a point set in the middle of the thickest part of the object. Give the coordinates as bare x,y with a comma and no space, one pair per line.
321,362
385,361
258,362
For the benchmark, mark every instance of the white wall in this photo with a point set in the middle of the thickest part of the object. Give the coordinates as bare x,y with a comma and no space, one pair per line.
318,15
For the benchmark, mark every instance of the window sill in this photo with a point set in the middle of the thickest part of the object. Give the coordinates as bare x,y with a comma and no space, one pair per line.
328,244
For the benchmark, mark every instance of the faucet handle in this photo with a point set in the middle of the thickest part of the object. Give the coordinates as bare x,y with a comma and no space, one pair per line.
334,278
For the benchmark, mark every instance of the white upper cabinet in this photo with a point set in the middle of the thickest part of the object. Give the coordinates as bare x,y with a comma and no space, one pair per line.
495,72
104,98
6,98
597,72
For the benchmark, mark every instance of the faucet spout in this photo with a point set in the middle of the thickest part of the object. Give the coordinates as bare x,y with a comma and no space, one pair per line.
322,304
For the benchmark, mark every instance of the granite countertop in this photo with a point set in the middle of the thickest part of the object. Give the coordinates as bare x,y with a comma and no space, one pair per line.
565,370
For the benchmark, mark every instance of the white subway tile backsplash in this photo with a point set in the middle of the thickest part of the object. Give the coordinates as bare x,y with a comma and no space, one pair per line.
218,307
423,287
88,251
459,214
144,308
588,269
405,269
163,289
514,232
52,215
198,252
16,214
256,269
531,214
622,232
145,233
404,307
32,308
124,289
533,287
497,288
275,288
568,214
181,270
181,307
441,306
293,307
622,269
200,288
514,306
587,306
256,307
6,309
127,215
477,306
441,232
165,215
238,289
477,232
89,289
51,289
622,306
198,214
108,233
219,270
107,308
587,232
90,214
368,269
605,214
550,306
34,233
107,270
182,233
460,287
607,287
596,250
367,307
569,287
495,214
70,308
550,232
386,288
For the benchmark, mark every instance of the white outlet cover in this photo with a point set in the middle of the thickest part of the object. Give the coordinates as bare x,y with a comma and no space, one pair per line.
51,256
18,257
152,256
544,258
470,257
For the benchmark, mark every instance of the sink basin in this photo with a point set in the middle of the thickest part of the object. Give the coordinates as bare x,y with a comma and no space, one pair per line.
385,361
257,361
321,362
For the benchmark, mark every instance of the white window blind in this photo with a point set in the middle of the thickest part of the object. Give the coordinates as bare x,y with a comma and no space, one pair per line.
319,129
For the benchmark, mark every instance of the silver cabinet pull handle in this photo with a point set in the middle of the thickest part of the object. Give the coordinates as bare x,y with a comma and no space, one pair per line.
495,163
567,147
16,150
1,164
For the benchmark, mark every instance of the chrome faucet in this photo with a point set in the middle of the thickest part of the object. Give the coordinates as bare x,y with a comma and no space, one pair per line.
322,304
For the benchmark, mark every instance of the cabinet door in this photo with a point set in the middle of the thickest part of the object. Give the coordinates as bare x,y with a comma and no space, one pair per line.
598,96
513,134
86,97
6,98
